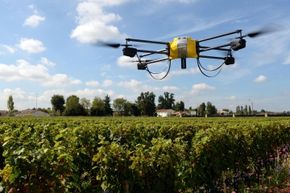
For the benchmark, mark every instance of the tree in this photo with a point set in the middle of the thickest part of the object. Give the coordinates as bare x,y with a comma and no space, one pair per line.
57,102
250,110
10,105
201,109
210,109
246,112
120,105
98,107
238,110
107,107
73,106
146,103
135,110
166,101
86,104
179,106
242,110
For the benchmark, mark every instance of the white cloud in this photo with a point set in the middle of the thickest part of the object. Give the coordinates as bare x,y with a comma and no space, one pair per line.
169,88
94,24
193,70
179,1
131,84
107,83
31,6
61,80
31,45
92,93
33,20
201,87
174,73
137,86
287,60
260,79
92,83
8,49
125,61
23,70
232,98
16,93
22,99
46,62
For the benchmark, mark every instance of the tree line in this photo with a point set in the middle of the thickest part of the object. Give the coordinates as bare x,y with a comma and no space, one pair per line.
144,105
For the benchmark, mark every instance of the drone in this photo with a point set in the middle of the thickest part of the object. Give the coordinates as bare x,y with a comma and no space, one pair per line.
184,48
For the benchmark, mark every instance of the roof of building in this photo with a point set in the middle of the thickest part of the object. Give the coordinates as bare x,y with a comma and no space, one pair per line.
32,112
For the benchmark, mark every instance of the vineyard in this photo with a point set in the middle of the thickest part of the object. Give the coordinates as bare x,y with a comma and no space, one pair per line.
144,155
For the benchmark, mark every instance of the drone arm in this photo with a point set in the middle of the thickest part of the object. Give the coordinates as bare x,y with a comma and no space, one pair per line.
146,41
215,48
163,51
219,48
158,60
150,52
143,65
219,36
212,57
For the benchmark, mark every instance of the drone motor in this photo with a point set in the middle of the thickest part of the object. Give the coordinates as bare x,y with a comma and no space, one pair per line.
130,52
238,44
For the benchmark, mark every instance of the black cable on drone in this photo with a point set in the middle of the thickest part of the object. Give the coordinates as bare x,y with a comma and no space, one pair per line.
156,73
211,70
202,69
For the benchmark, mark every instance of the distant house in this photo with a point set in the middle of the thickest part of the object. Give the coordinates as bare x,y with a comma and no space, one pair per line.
192,112
32,112
3,113
224,112
185,113
165,112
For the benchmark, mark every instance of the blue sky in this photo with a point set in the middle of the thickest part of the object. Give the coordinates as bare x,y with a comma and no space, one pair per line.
47,47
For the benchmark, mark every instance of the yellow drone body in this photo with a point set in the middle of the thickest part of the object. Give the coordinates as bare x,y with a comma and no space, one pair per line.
184,47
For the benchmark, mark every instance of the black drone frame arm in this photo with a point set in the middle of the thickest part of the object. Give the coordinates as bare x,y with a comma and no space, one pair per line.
157,60
163,51
204,48
146,41
220,47
212,57
222,35
150,52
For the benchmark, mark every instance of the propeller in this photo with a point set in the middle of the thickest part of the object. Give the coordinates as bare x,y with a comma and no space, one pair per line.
113,44
263,31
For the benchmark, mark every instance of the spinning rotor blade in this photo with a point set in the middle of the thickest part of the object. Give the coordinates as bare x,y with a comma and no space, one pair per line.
261,32
112,45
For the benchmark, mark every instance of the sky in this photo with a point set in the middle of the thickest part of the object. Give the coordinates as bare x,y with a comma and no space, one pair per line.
51,47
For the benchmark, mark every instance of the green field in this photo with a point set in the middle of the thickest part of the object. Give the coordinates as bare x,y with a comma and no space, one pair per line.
150,155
